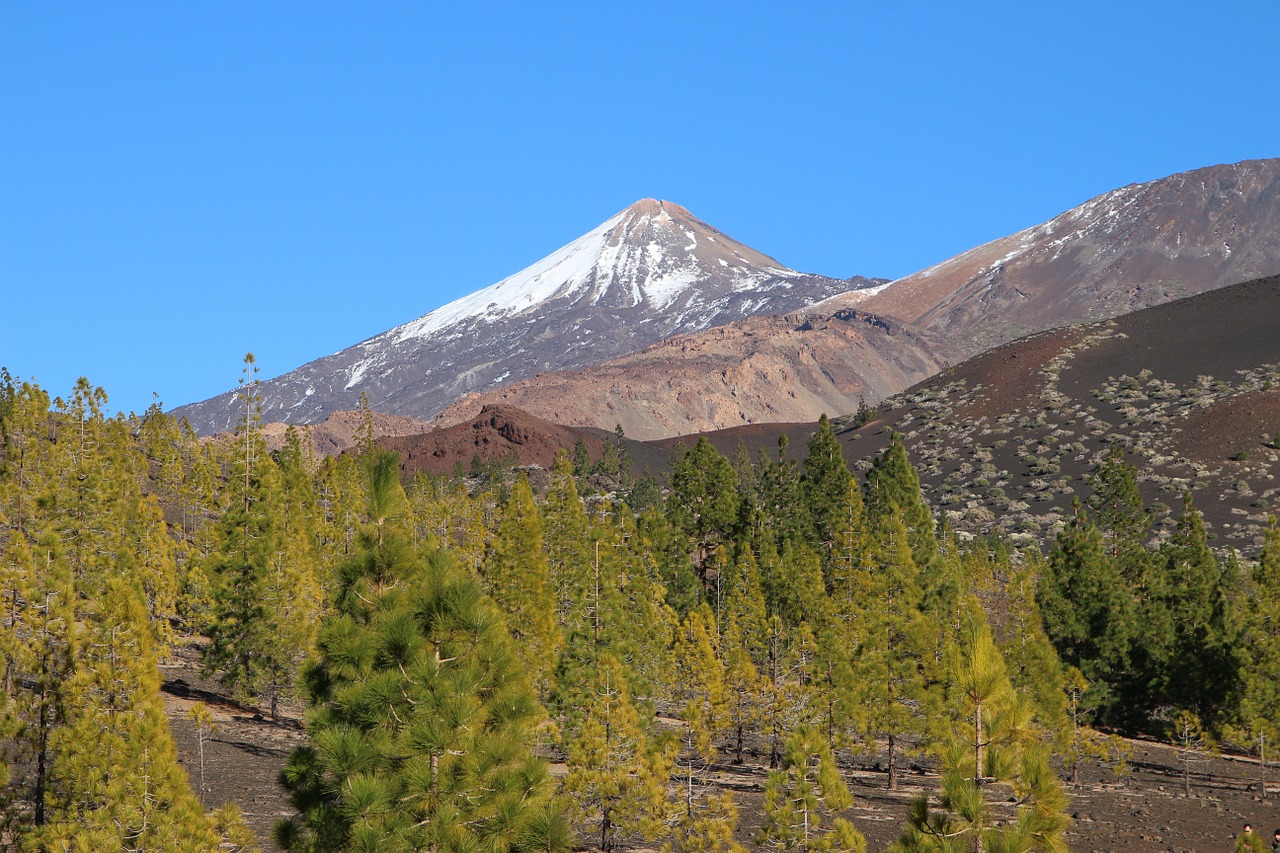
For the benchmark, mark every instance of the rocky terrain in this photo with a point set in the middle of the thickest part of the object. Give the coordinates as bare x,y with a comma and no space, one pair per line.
1135,247
656,321
341,430
505,434
791,368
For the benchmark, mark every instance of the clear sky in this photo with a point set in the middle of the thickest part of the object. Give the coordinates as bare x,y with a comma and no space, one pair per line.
181,183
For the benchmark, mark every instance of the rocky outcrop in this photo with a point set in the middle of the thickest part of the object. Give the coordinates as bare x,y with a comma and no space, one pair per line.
791,368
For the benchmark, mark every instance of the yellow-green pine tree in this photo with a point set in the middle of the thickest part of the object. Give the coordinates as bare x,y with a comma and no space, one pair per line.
803,799
890,648
618,771
118,782
515,575
992,750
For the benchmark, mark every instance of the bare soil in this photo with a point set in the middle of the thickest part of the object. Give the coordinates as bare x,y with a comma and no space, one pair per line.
1148,811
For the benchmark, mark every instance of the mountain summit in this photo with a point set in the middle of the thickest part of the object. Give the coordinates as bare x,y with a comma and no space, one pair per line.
650,271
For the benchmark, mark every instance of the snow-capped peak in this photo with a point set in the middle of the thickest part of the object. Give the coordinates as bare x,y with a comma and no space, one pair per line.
650,271
649,253
558,274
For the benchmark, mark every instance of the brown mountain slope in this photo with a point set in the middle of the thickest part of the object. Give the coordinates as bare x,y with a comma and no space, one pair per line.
1005,441
1131,248
760,370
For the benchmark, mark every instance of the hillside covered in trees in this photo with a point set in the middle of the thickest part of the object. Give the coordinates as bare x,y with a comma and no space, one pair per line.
529,660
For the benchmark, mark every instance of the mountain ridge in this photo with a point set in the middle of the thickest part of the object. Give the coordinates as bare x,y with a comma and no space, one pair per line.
1133,247
653,271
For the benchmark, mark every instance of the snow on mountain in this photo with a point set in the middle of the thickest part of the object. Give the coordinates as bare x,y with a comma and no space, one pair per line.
648,272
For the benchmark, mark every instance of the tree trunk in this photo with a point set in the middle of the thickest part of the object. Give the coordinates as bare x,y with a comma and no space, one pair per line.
893,767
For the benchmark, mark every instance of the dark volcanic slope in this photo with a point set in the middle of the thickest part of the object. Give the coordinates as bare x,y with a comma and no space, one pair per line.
1131,248
1191,390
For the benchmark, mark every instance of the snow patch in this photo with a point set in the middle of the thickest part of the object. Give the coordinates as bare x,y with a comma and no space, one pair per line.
358,371
561,273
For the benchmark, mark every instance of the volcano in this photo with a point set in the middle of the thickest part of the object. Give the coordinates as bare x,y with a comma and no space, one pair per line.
650,271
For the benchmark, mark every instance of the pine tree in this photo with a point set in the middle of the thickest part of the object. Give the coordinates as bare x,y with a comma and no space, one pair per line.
618,771
516,576
1200,669
669,549
893,482
1034,667
1259,708
699,674
1121,517
890,682
850,554
745,649
991,741
41,649
566,540
420,720
446,517
643,625
744,687
116,774
581,460
265,599
708,826
703,503
825,486
704,820
745,603
803,798
779,499
787,694
1079,742
1089,612
795,589
93,499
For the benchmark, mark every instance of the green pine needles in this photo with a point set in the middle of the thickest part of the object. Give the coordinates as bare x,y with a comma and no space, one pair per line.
421,720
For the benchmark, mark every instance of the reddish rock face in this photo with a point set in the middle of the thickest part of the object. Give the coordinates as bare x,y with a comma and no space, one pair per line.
496,432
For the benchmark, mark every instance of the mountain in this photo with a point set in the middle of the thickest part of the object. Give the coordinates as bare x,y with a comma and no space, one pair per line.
651,271
789,368
1140,245
1131,248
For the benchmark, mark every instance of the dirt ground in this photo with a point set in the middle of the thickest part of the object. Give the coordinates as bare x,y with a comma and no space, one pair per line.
1149,811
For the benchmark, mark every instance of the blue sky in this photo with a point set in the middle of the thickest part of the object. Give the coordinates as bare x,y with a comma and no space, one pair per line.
181,183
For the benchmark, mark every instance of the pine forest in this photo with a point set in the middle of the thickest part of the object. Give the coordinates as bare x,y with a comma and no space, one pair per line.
500,662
